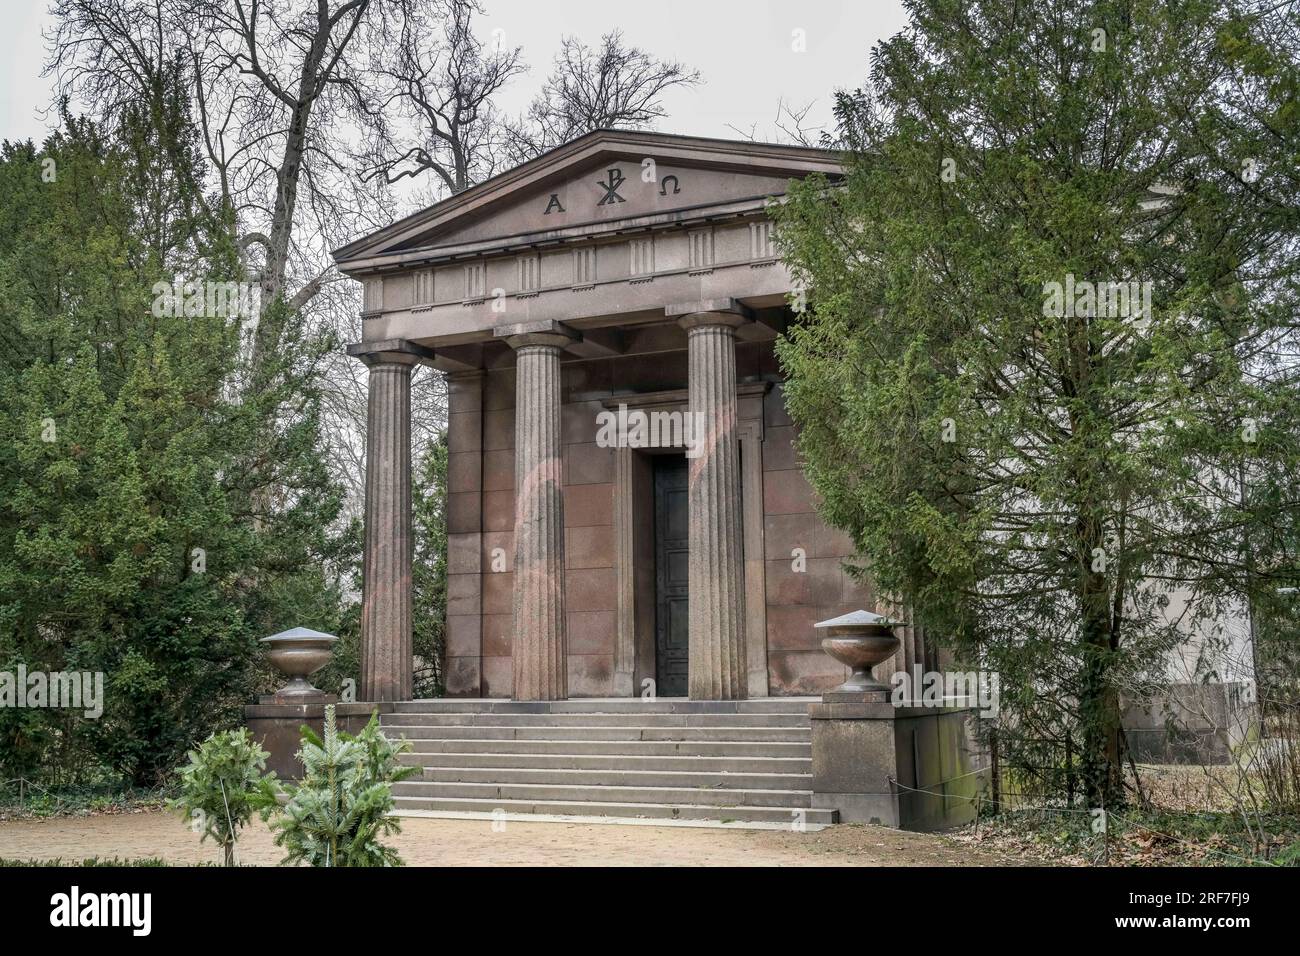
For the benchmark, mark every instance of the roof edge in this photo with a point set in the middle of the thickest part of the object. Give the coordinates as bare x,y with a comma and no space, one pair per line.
504,180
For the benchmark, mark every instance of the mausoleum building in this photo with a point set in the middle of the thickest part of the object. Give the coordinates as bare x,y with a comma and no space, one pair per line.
625,501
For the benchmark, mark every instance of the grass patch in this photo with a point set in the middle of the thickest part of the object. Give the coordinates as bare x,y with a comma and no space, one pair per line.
28,801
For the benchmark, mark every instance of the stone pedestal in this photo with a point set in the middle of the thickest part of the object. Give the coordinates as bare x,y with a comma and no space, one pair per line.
718,669
905,767
278,728
539,650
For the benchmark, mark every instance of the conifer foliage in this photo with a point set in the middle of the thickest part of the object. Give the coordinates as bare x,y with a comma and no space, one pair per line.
1047,376
223,786
156,518
338,813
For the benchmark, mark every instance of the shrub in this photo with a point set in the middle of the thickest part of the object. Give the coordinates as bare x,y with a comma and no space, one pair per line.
223,786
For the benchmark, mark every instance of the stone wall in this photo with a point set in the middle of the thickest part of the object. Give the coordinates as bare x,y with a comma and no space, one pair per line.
277,729
1190,723
797,600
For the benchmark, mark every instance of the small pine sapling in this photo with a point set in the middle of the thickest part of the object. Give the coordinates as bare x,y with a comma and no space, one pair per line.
338,813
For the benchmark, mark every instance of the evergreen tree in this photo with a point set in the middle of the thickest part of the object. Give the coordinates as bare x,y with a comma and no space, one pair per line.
135,537
1038,472
338,813
429,570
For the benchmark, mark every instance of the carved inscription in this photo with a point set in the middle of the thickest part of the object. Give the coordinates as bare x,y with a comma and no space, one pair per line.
616,179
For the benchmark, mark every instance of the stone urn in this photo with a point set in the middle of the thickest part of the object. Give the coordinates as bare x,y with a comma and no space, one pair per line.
298,653
860,640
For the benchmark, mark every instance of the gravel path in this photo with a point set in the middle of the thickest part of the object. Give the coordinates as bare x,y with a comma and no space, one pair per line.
434,842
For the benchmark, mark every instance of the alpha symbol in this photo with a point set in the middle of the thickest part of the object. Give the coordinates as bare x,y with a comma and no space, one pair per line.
616,179
553,205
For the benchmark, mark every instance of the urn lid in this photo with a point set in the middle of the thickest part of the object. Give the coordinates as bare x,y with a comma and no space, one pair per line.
300,634
858,619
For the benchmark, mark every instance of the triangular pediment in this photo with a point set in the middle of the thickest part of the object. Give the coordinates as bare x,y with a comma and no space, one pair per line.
606,181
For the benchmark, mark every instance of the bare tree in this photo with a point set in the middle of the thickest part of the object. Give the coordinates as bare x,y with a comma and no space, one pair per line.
286,79
276,92
311,110
274,88
109,54
443,81
790,126
614,87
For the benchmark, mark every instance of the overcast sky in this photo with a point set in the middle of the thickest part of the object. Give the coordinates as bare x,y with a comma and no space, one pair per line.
743,48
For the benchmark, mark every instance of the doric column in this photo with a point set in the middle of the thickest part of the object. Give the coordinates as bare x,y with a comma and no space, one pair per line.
716,567
539,649
386,665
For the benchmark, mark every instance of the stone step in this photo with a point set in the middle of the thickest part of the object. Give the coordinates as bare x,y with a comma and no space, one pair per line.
667,812
631,748
611,762
544,732
622,705
474,719
617,777
734,762
794,799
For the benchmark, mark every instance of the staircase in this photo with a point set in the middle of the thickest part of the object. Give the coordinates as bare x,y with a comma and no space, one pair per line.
706,763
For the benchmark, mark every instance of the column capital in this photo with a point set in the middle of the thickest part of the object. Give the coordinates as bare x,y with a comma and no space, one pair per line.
725,311
391,352
546,332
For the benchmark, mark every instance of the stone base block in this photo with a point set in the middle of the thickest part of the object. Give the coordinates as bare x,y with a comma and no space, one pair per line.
914,768
278,728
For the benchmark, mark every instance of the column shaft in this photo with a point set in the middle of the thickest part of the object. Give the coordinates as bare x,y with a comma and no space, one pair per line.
386,602
717,600
539,648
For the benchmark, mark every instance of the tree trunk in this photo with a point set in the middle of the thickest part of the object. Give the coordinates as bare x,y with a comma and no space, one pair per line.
1099,702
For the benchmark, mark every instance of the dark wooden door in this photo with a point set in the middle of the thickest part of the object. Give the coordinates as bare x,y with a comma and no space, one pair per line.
671,559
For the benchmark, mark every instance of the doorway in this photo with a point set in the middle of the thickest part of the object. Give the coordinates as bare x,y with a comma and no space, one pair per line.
672,552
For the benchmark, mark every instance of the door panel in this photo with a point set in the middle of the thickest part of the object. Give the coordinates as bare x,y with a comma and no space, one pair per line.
671,576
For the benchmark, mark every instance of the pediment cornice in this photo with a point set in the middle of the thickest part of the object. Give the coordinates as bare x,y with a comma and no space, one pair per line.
594,187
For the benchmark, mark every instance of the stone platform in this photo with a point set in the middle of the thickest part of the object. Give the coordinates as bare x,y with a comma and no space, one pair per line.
799,762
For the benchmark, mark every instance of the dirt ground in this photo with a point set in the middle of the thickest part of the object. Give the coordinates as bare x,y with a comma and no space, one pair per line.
442,842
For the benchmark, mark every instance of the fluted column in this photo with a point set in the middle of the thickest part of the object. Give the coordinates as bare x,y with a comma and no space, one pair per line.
386,666
716,566
539,649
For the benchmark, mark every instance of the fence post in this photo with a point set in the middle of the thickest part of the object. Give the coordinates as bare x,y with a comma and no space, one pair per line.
995,771
1069,770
